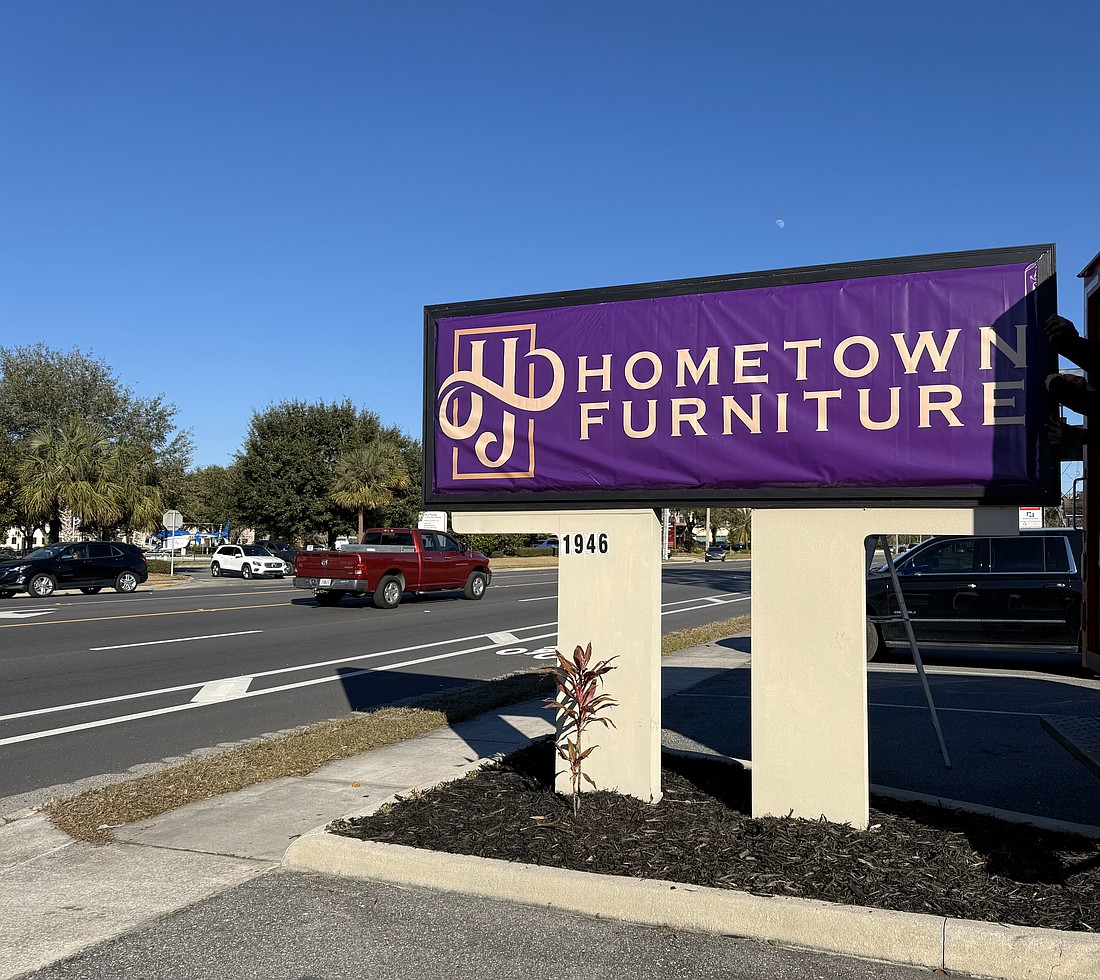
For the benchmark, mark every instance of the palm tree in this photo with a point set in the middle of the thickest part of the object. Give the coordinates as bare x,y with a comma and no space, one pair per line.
740,524
62,469
367,476
78,469
131,472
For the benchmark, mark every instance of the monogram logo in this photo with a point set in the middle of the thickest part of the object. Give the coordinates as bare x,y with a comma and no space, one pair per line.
494,383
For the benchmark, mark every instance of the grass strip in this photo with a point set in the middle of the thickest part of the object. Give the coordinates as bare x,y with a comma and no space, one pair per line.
89,816
695,636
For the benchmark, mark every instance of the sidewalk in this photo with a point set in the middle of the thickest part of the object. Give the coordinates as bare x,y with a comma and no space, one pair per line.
60,897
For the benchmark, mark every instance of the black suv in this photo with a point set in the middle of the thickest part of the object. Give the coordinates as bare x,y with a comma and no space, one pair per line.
280,549
85,565
1023,590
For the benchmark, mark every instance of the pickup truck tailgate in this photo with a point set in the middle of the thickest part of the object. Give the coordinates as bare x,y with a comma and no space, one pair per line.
325,564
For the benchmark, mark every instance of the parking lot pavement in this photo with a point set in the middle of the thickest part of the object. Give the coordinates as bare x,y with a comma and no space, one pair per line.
990,715
286,926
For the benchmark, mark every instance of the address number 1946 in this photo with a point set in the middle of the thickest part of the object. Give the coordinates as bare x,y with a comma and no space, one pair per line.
580,544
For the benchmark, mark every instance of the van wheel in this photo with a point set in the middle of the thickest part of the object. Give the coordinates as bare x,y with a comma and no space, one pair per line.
475,585
874,640
388,593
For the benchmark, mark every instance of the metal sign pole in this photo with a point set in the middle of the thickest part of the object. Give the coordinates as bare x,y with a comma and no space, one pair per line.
913,647
172,521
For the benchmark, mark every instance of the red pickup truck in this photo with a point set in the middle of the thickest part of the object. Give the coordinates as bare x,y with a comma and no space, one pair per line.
389,562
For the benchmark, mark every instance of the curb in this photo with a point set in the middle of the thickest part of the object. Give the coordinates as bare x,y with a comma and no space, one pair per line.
961,945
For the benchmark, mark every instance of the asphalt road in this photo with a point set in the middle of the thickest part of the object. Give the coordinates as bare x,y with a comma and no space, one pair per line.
95,686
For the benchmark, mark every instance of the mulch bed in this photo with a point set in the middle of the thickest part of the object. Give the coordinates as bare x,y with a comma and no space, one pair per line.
913,858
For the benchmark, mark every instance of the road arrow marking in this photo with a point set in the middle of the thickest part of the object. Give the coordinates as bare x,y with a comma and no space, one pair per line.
223,690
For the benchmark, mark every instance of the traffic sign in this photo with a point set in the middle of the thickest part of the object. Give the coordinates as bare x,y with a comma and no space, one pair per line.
172,520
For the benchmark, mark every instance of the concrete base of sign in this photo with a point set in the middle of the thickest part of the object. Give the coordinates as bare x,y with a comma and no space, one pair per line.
609,595
809,650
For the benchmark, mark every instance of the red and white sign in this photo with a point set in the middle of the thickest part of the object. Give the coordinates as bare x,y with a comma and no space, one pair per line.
1031,517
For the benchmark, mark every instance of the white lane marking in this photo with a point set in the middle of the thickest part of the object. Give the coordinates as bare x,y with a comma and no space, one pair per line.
503,637
328,679
285,687
714,599
20,614
267,673
706,605
180,639
224,690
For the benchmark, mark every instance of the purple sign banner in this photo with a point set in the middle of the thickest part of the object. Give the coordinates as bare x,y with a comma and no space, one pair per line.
918,378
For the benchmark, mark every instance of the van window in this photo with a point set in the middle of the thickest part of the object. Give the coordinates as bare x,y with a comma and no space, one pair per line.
945,558
1016,554
1057,554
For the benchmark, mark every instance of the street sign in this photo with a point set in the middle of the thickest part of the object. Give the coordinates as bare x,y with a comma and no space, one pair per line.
1031,517
172,520
432,520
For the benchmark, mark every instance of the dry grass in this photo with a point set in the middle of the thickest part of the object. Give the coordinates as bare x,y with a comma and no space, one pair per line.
90,815
698,635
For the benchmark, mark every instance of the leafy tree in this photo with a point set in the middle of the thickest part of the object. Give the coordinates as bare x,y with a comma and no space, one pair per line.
284,474
66,414
41,387
366,477
10,513
78,469
206,496
737,521
404,509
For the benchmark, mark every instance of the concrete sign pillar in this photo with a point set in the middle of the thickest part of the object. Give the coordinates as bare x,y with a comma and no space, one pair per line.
609,595
809,650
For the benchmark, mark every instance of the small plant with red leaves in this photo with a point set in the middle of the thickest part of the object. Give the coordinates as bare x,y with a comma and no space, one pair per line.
577,681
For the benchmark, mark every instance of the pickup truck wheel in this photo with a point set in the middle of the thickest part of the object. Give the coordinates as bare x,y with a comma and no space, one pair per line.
388,593
874,640
475,585
329,598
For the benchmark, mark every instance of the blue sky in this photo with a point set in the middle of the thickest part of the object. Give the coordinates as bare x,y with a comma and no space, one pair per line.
239,203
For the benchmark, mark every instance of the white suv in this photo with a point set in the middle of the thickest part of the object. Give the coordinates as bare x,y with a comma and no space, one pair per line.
246,560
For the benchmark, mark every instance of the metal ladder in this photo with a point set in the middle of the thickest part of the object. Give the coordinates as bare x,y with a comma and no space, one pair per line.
903,617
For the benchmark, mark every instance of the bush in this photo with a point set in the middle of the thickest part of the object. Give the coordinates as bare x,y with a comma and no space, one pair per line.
159,565
495,545
536,552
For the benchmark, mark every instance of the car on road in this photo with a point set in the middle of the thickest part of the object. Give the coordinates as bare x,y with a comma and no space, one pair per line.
547,544
246,560
280,549
86,565
716,552
1002,590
